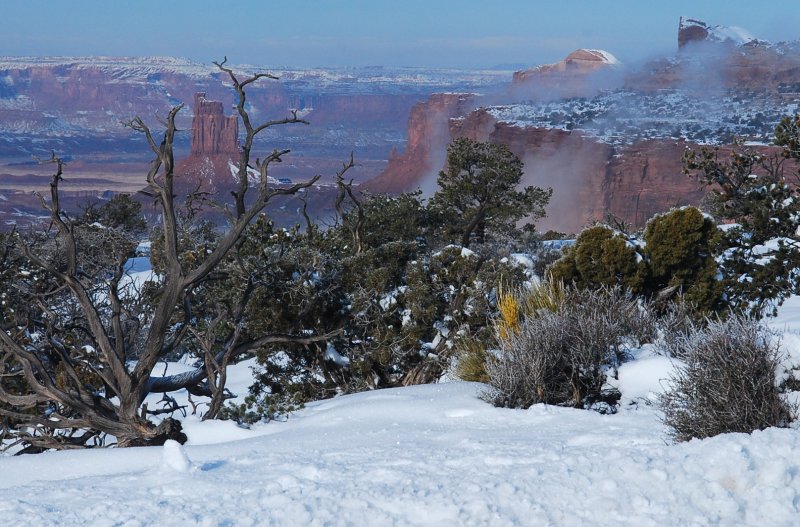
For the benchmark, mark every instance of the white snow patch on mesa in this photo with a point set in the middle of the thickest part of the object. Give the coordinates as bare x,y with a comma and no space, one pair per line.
607,57
253,175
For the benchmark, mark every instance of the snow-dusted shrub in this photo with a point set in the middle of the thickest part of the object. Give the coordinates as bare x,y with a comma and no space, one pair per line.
679,250
514,305
728,381
394,312
759,257
674,322
543,258
675,254
261,405
561,356
601,257
533,366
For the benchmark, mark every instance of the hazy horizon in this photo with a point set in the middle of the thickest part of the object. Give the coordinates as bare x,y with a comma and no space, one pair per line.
464,35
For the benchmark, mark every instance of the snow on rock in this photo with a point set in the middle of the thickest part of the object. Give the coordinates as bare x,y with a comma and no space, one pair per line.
693,30
332,354
603,56
253,175
522,260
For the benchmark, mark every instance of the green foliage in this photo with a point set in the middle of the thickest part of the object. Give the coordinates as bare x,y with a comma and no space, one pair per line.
761,253
679,249
601,257
676,252
787,135
395,309
478,194
393,297
262,404
472,357
119,212
393,219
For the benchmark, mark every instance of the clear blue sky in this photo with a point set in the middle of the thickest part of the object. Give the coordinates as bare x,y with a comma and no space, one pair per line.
460,34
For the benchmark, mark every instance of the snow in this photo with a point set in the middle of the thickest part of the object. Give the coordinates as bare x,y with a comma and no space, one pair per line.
606,56
427,455
173,457
525,261
332,355
622,116
643,379
734,34
253,175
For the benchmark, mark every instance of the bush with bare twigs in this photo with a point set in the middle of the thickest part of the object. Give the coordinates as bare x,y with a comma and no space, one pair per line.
561,355
728,381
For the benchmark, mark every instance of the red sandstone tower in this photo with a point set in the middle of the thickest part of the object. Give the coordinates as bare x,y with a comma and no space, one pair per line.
212,132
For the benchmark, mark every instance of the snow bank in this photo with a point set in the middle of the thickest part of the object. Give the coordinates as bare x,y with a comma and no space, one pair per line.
642,380
426,455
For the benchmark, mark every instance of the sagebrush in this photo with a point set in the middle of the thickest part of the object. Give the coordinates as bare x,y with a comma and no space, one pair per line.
728,382
562,355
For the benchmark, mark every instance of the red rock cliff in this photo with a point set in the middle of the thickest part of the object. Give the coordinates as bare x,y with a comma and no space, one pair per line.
590,178
212,132
214,146
428,137
581,74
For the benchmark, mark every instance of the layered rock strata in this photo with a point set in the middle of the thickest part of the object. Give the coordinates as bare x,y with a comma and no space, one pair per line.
212,131
591,177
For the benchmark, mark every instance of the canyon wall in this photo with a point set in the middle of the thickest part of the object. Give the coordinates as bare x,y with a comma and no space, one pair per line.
590,178
428,137
631,175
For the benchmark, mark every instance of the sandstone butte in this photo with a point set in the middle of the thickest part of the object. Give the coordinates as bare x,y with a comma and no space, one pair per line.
214,146
590,178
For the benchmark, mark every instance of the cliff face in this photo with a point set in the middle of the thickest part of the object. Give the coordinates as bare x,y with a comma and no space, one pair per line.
752,67
212,132
582,73
606,154
591,178
577,63
428,137
215,146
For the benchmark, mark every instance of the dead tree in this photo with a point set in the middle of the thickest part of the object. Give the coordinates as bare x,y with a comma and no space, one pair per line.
354,225
66,374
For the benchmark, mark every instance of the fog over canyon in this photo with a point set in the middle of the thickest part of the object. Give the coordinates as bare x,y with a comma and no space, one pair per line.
606,136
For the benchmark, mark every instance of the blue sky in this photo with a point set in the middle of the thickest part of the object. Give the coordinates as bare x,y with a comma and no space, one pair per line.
430,33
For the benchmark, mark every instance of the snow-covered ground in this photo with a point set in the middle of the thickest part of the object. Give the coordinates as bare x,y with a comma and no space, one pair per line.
427,455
